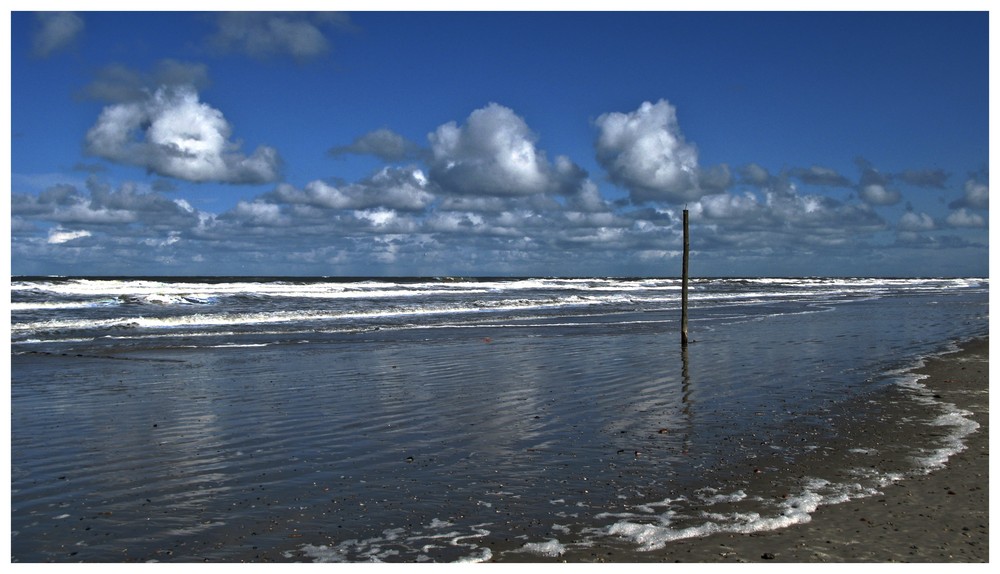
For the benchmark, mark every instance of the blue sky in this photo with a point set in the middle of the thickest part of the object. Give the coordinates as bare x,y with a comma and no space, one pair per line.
499,143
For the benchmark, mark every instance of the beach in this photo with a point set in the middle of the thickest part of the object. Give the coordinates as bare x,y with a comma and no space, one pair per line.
942,516
204,420
937,517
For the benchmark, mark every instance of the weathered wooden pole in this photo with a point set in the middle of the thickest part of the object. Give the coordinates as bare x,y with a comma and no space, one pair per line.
684,285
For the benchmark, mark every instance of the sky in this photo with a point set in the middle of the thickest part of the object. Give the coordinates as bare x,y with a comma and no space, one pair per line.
555,143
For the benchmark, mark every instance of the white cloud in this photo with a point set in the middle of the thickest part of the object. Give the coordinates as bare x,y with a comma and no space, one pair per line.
122,215
58,30
454,221
494,154
729,206
172,133
404,189
645,152
377,217
259,213
170,239
59,235
184,205
878,194
88,214
315,193
782,220
587,198
912,221
962,217
977,196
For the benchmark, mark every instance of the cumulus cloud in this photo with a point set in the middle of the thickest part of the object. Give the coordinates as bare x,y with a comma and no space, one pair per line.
391,188
405,189
66,204
57,30
384,144
754,174
645,152
962,217
172,133
385,220
778,217
265,34
103,205
587,199
820,218
877,194
455,222
873,187
127,227
149,207
257,213
977,196
731,207
494,154
912,221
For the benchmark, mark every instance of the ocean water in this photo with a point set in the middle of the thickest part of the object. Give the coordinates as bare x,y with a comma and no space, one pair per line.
460,419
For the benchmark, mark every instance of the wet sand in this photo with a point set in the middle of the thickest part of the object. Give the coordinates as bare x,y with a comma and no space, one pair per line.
190,476
938,517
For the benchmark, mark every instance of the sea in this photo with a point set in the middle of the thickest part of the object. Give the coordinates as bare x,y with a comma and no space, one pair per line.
462,419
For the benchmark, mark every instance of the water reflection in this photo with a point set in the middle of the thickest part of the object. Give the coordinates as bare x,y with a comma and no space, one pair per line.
686,401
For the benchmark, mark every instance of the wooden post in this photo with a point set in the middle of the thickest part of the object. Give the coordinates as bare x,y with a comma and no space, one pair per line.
684,285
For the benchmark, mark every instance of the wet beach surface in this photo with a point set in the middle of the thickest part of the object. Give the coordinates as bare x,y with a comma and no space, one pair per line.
156,460
942,516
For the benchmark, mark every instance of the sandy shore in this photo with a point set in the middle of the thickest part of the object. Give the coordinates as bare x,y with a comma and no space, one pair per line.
939,517
166,461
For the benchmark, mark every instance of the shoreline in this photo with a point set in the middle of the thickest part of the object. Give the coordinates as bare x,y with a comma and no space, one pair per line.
938,517
942,516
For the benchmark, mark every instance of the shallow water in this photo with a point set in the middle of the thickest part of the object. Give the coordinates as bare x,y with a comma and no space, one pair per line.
481,420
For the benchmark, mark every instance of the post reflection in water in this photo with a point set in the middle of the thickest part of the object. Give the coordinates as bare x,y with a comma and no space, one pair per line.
686,397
